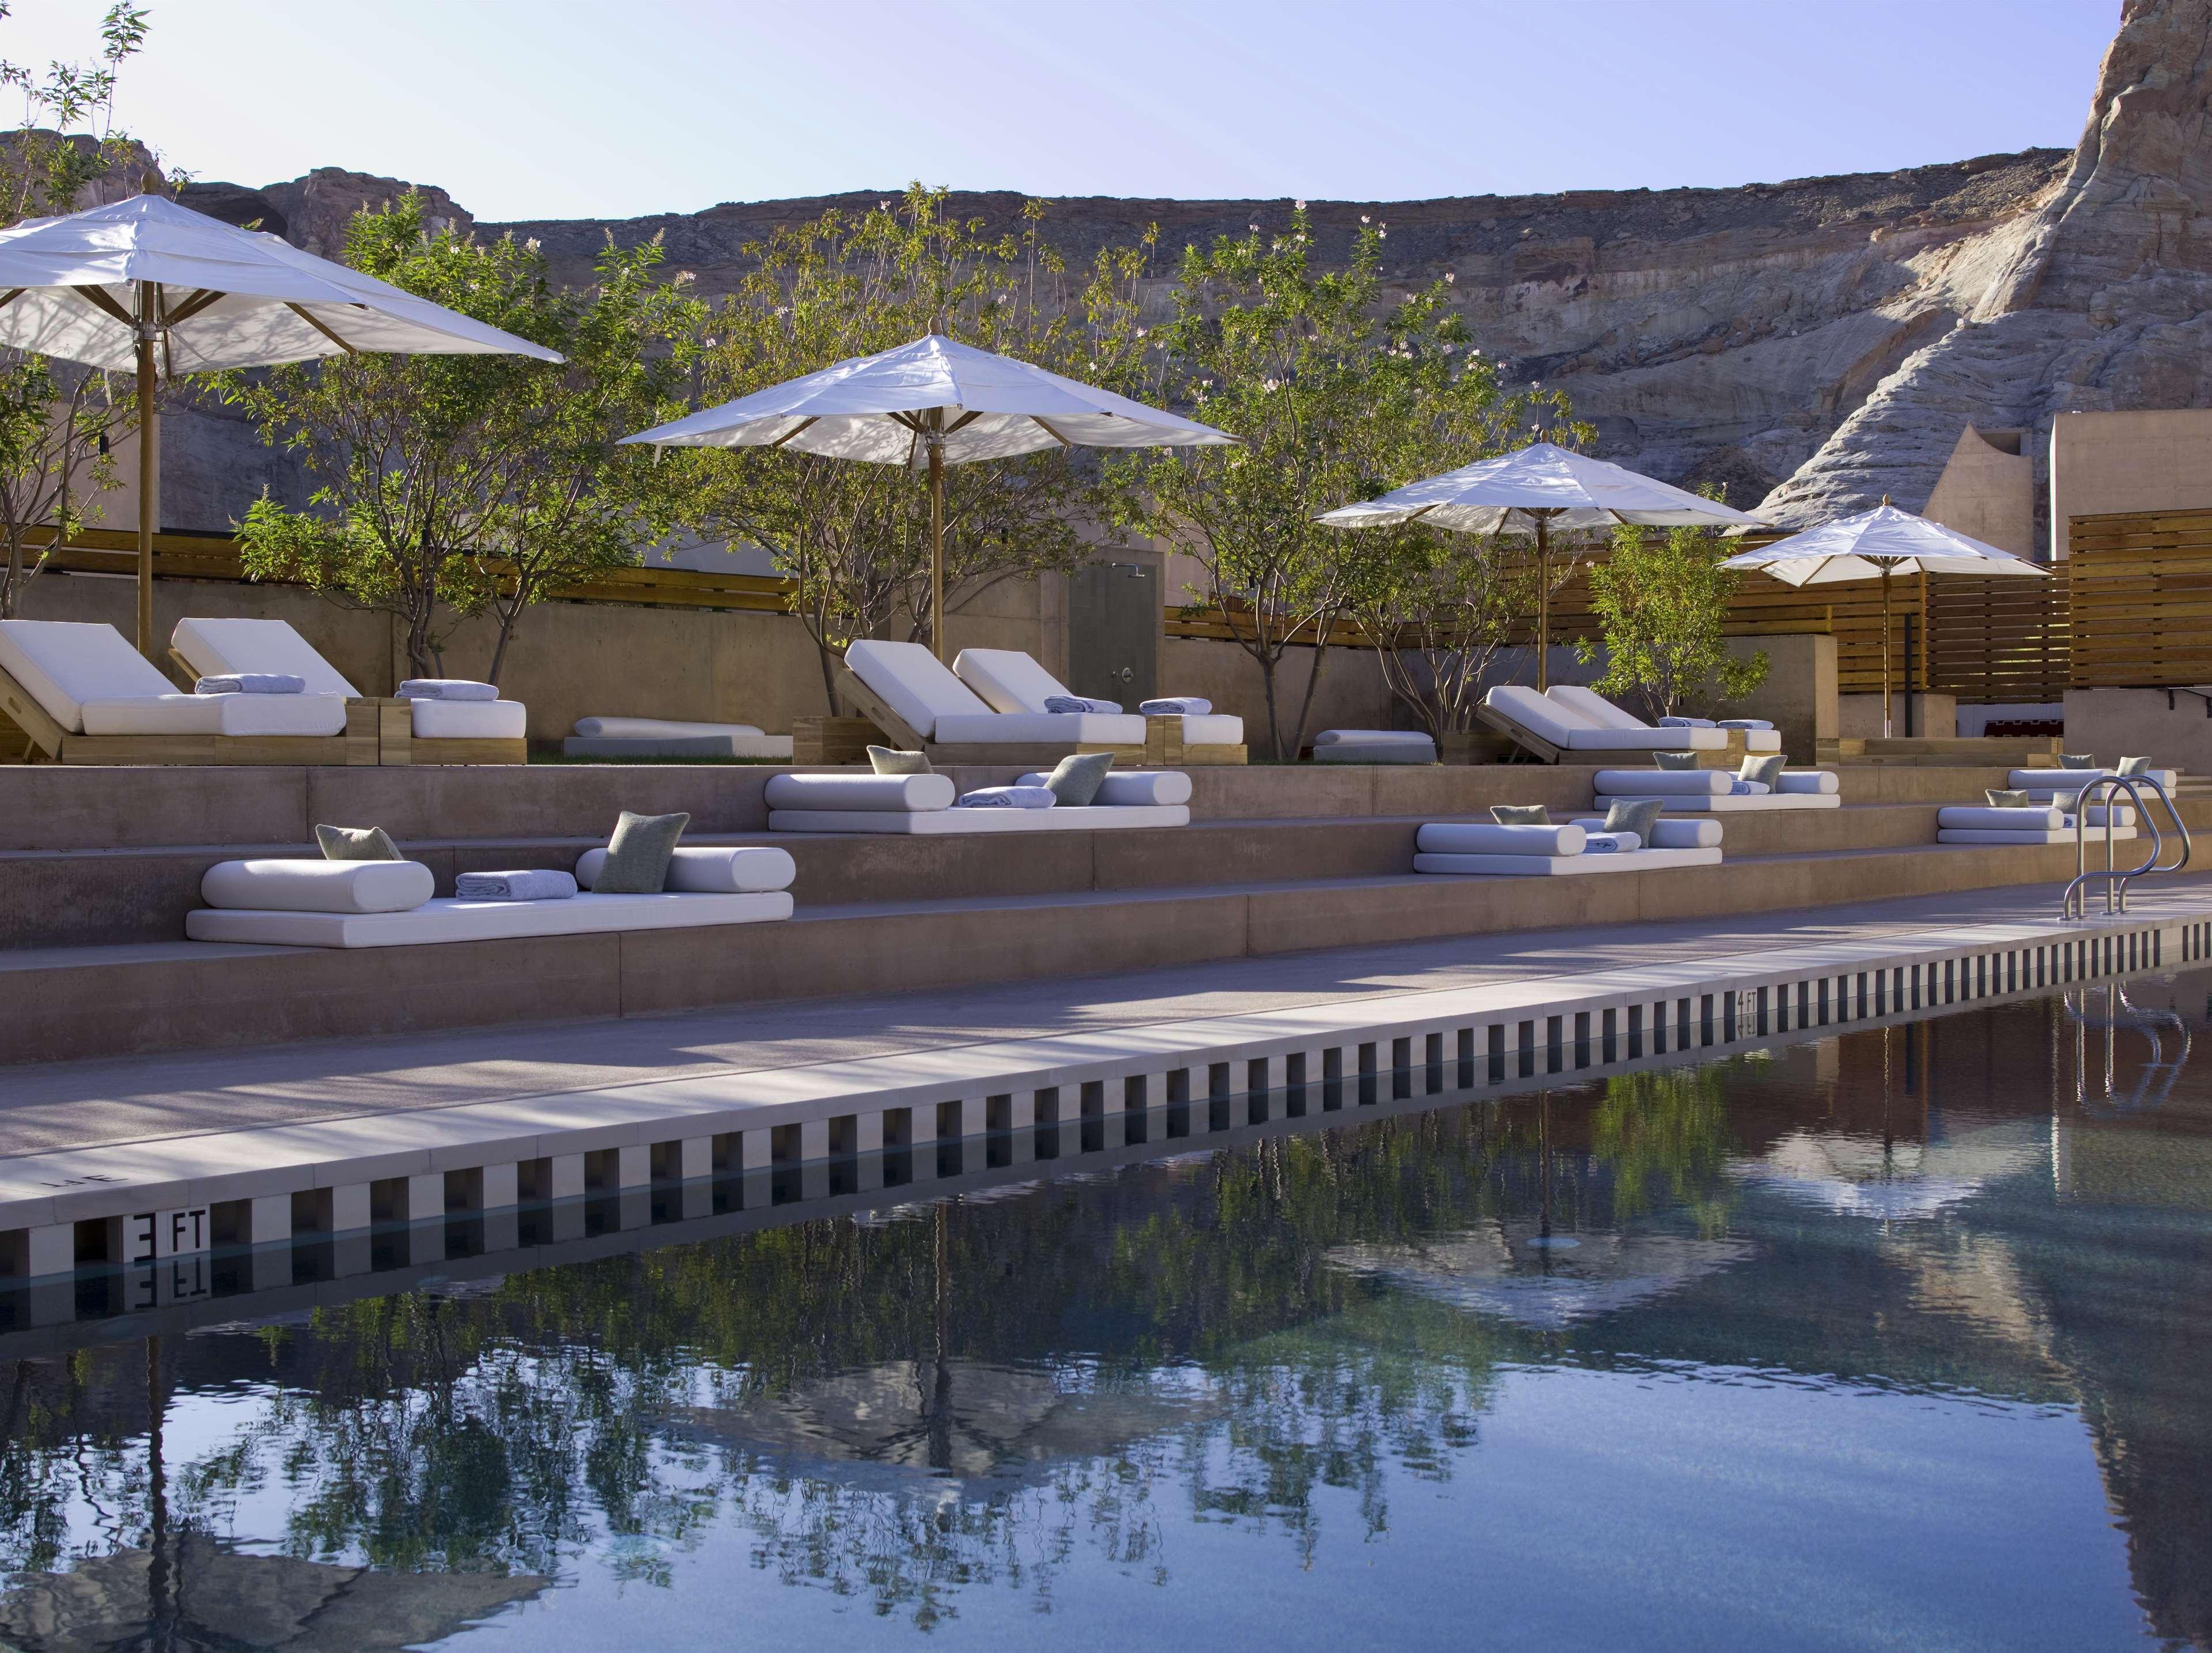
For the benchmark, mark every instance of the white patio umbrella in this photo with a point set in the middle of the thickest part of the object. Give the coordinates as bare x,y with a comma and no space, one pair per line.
1540,487
144,282
933,402
1876,544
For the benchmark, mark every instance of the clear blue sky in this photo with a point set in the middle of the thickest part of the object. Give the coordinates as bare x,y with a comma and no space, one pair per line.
560,108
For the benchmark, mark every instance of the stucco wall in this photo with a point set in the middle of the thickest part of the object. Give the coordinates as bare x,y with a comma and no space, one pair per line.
2159,460
2118,723
1987,492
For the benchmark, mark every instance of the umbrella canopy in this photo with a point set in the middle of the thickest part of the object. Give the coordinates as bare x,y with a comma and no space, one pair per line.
1533,490
1875,545
1882,541
146,283
934,402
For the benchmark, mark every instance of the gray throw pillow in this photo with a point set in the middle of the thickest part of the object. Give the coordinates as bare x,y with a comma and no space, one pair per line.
357,844
2133,766
639,853
1638,817
1766,768
1520,815
1675,760
2077,760
1075,779
888,760
2001,799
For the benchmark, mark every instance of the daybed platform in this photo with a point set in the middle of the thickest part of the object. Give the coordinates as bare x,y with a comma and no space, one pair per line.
1977,825
1559,734
1478,848
1704,792
636,737
922,805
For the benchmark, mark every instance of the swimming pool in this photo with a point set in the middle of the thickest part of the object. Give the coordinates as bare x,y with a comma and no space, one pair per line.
1888,1338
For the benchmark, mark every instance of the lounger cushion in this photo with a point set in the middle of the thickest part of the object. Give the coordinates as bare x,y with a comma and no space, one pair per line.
1396,752
304,886
956,822
1561,725
1371,738
917,686
1762,740
1620,740
902,793
62,664
1008,680
1212,729
1133,788
469,720
217,715
1668,832
1594,707
1698,803
1040,729
650,728
217,647
2001,817
2071,782
2053,835
1821,781
711,869
1638,860
1664,783
1485,838
450,919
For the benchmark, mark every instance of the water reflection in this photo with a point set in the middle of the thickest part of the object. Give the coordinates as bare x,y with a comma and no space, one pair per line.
1361,1367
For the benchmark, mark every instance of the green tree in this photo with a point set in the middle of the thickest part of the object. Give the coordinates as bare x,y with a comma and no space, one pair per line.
1662,601
453,486
57,419
1335,394
854,538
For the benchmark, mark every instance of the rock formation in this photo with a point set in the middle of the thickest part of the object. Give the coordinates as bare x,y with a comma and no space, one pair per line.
1817,343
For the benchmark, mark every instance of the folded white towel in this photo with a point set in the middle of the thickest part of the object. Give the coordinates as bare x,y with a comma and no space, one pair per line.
1748,789
1610,843
1745,723
251,682
527,883
1008,797
1187,706
445,689
1687,723
1064,703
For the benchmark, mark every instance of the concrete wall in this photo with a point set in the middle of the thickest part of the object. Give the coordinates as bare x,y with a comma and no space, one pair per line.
1987,491
2159,460
2118,723
1352,694
1931,716
1799,695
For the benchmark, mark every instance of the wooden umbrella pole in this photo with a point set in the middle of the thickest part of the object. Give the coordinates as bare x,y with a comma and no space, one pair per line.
1543,601
149,468
937,548
1886,730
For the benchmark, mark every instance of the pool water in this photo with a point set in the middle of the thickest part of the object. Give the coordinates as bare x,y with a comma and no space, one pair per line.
1891,1339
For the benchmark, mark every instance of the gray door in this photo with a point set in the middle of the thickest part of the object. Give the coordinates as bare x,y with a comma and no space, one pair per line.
1114,632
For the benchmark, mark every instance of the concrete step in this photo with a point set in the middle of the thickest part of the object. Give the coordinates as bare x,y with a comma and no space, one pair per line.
181,995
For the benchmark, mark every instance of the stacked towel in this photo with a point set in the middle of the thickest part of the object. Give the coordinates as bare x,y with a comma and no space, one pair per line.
527,884
1687,723
1745,723
1185,706
251,682
1748,789
1008,797
1064,703
1611,843
445,689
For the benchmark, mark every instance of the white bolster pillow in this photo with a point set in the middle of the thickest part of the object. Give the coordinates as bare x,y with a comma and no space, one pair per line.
1129,789
1670,831
903,793
1986,818
1664,783
304,886
1822,781
711,869
1484,838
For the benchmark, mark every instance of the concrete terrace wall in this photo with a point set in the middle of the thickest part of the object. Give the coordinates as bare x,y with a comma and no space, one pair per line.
2101,463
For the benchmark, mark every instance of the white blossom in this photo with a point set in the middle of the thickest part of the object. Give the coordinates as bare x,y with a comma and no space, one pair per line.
1301,206
1363,218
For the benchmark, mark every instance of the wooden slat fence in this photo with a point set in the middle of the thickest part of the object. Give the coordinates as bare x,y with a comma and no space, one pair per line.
2140,589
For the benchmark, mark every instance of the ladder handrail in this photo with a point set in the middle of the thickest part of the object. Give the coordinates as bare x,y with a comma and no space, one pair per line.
2107,788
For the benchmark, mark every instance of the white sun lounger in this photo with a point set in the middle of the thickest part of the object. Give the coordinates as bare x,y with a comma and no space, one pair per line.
1602,712
916,701
1012,682
1559,734
920,806
619,737
408,731
1707,791
81,694
311,903
1478,848
1976,824
2064,785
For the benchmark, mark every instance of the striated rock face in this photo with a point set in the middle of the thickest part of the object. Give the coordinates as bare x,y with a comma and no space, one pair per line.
2100,298
1816,343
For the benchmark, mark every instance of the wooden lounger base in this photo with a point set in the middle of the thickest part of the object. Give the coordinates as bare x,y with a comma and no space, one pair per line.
1164,747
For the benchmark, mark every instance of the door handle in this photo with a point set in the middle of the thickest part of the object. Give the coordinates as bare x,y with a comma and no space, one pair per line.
1127,673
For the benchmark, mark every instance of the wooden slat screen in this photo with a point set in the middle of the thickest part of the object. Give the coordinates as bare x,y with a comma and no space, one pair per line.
2140,585
2002,642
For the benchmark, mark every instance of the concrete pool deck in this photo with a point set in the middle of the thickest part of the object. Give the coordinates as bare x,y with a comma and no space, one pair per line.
255,1144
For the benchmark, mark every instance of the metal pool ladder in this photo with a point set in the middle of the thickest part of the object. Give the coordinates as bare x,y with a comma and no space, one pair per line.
2115,878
